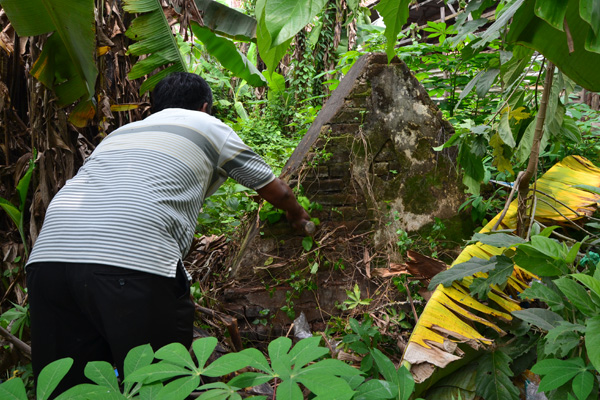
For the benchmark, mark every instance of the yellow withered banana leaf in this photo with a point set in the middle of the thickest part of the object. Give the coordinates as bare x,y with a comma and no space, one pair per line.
452,316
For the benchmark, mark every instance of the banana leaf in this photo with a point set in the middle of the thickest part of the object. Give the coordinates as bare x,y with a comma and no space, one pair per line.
66,64
575,49
154,38
453,316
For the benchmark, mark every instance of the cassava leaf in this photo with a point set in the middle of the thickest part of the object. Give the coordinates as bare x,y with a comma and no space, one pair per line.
468,268
544,293
493,378
592,338
51,376
540,317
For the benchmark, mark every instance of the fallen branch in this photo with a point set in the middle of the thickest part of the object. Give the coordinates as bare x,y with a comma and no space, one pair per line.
19,344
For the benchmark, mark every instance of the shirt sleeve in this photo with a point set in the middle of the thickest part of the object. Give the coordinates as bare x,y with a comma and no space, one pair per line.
244,165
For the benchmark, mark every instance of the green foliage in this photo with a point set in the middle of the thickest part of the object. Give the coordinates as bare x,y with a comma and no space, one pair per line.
176,374
493,377
354,299
154,38
18,316
67,63
17,213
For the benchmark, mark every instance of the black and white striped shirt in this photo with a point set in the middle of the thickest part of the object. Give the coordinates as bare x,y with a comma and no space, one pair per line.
135,201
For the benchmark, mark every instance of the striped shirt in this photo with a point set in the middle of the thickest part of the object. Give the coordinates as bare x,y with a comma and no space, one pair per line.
134,203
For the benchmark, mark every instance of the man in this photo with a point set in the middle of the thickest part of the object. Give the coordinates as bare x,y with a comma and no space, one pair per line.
105,274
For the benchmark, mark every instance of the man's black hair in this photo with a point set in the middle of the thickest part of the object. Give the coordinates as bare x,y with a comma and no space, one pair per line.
181,90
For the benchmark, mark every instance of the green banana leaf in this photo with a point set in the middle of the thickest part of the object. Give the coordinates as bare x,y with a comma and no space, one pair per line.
226,21
583,20
154,38
66,64
228,55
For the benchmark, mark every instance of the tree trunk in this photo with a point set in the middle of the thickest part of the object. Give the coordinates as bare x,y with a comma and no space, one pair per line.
523,184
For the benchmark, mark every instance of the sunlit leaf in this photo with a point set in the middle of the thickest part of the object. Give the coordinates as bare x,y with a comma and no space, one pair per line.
395,14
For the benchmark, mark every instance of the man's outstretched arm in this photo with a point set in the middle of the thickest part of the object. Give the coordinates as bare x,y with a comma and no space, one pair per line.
281,196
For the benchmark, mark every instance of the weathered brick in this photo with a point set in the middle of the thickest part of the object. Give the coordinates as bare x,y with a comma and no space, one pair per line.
340,170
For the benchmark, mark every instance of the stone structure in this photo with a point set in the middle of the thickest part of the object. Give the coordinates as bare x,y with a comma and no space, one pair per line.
368,161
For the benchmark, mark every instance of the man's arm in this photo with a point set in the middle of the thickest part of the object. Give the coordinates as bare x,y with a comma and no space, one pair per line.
281,196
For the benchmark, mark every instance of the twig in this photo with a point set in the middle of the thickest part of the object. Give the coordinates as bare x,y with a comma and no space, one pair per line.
410,299
532,216
508,201
568,219
229,322
19,344
559,235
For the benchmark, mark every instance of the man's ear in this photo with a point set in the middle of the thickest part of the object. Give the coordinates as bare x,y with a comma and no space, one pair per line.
204,108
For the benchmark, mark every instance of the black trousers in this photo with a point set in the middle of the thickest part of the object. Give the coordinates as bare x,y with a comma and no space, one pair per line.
93,312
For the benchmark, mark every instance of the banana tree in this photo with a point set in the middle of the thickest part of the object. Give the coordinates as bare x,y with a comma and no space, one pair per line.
453,315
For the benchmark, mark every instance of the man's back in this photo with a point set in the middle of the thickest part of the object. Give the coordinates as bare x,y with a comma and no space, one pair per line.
135,201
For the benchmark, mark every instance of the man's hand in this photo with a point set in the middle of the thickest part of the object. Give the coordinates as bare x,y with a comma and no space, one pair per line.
281,196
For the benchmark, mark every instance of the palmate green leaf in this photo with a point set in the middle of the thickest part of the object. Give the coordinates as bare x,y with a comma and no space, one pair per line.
73,24
592,338
307,350
257,360
395,15
329,366
577,296
583,384
557,372
285,18
326,387
229,56
498,276
51,376
157,372
552,11
591,283
203,348
176,353
468,268
226,364
289,390
529,30
538,263
13,389
136,358
497,239
87,391
543,293
376,389
493,378
540,317
562,339
179,389
154,38
249,379
102,374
